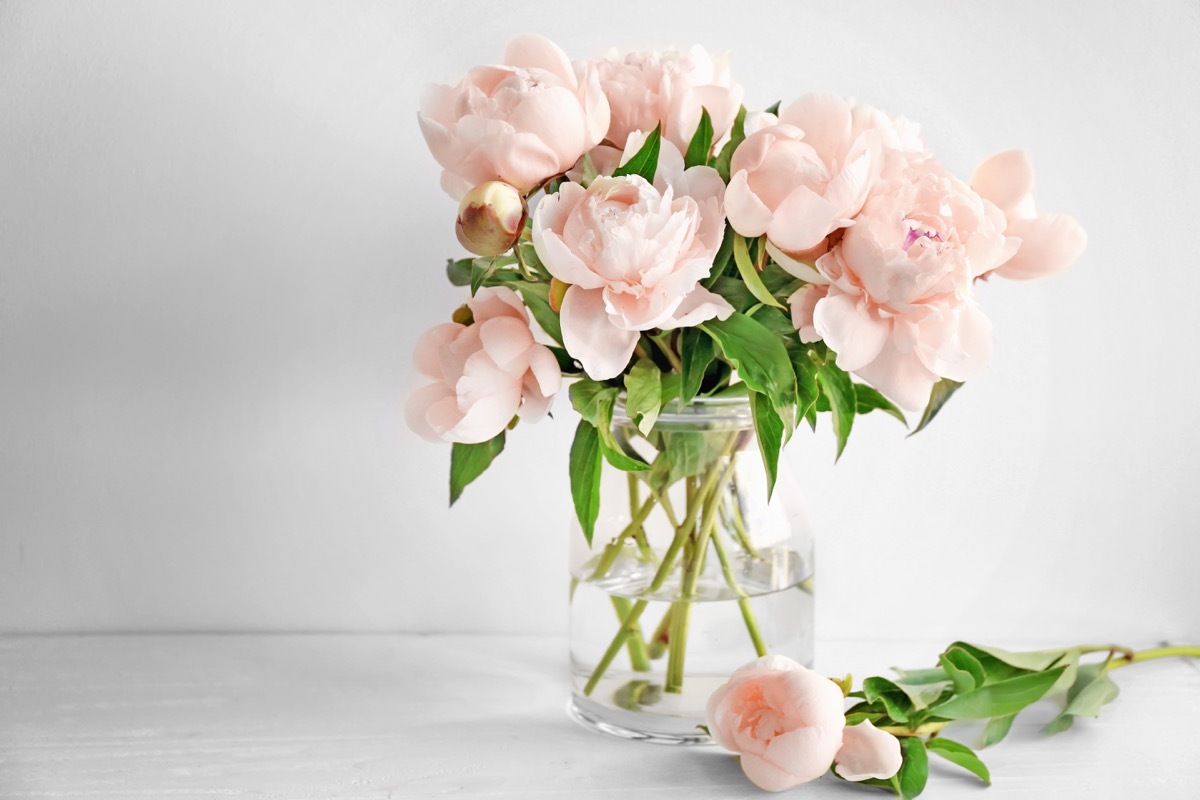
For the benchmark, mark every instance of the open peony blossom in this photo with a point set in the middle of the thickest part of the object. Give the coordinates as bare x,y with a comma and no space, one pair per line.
804,176
893,298
485,373
868,752
783,719
1050,243
645,90
520,122
633,254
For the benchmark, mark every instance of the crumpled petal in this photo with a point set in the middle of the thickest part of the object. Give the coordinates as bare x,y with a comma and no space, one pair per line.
868,752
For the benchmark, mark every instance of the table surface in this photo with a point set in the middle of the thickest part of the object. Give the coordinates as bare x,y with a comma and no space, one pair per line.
409,716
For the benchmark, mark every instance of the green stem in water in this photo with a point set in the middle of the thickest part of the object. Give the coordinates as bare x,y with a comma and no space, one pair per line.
613,549
615,645
743,600
661,635
639,659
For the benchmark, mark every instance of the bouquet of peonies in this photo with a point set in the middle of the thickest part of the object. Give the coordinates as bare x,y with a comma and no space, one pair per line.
669,245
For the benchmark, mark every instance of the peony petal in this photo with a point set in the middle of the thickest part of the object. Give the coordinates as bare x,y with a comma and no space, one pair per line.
802,220
803,302
1005,178
747,214
506,342
545,370
561,262
1049,244
901,377
531,51
825,119
698,306
492,302
427,353
417,408
602,348
486,418
568,136
796,267
806,753
850,330
868,752
766,775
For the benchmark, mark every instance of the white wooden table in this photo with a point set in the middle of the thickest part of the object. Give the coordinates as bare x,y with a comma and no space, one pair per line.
473,716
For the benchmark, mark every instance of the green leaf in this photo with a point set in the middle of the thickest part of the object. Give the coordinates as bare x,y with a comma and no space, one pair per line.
671,384
736,136
537,299
686,454
459,272
480,272
867,399
963,668
468,461
759,357
769,429
961,755
997,728
701,144
594,401
643,394
1093,689
923,695
696,353
585,465
999,699
942,390
645,160
914,771
836,386
735,291
722,258
773,108
566,364
750,276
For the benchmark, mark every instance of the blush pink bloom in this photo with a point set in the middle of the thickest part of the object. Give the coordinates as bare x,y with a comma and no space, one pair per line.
520,122
894,300
804,177
645,90
1050,243
484,373
633,254
868,752
784,720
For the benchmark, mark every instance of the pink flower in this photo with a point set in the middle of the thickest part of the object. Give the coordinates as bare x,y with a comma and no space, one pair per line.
648,89
520,122
1050,243
868,752
898,307
784,720
805,176
485,373
634,254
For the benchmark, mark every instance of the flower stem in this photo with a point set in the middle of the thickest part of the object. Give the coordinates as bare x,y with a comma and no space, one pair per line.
613,549
1177,651
639,659
760,648
615,646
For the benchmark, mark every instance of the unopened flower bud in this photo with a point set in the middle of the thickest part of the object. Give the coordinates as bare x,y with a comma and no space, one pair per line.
491,218
557,290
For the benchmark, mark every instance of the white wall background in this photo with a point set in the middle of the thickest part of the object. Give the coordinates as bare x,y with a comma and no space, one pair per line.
221,234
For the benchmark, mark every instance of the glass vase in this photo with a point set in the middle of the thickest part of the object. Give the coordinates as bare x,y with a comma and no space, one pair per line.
691,573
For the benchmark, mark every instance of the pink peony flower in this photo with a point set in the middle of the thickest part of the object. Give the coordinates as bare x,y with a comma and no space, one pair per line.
520,122
633,253
803,177
1050,243
898,306
784,720
485,373
868,752
648,89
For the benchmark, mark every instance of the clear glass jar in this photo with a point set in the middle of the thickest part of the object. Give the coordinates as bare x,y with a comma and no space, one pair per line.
691,574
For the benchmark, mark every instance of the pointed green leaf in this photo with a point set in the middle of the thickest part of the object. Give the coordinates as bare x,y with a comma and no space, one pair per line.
594,401
997,728
773,108
736,136
999,699
459,272
750,276
645,160
963,668
701,144
696,353
722,258
768,427
867,399
836,386
1034,661
961,755
758,355
643,394
585,464
914,771
942,390
468,461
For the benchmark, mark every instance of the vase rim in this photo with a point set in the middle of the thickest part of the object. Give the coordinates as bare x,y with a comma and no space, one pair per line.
712,409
